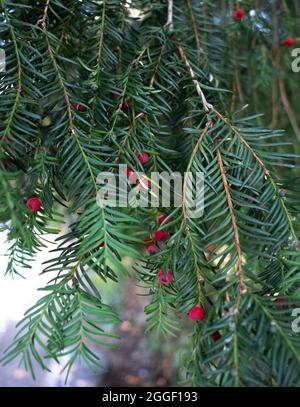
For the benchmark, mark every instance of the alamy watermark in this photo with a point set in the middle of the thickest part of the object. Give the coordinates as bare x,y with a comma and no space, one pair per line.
296,321
296,61
162,189
2,60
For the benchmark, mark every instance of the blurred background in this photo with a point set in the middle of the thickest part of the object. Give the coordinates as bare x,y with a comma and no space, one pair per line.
140,360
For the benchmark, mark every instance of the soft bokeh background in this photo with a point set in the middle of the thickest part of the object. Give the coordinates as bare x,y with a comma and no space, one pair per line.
140,360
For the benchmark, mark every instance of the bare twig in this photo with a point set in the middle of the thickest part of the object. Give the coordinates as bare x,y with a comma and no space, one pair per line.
170,23
207,106
42,22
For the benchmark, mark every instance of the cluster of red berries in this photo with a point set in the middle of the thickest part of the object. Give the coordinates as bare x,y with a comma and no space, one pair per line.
143,182
125,103
197,313
159,236
78,106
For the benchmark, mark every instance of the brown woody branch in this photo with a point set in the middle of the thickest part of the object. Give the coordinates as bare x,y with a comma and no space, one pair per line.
240,271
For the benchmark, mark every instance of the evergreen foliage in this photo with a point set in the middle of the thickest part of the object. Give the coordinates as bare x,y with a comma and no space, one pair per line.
89,85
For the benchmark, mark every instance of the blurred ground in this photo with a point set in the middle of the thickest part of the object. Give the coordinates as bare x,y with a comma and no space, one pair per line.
140,360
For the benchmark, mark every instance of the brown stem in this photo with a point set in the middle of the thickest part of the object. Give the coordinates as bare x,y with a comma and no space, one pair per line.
262,165
240,271
42,22
207,106
66,96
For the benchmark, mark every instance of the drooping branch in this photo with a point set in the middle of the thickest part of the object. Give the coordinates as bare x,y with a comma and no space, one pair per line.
153,76
101,40
65,92
19,76
264,168
207,106
240,270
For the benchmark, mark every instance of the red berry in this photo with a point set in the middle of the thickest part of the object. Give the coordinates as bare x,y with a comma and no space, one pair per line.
131,175
6,137
143,158
216,335
152,249
34,204
162,218
212,247
101,244
239,14
161,235
197,313
79,107
290,42
6,164
165,277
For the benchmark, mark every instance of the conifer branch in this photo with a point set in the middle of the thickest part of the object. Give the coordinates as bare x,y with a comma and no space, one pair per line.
101,40
186,177
61,81
19,87
207,106
264,168
153,76
240,270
